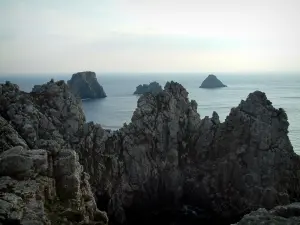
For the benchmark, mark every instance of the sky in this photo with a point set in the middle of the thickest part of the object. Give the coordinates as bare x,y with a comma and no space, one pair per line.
42,36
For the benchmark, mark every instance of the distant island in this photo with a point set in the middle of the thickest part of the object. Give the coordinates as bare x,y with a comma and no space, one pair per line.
85,85
153,87
212,82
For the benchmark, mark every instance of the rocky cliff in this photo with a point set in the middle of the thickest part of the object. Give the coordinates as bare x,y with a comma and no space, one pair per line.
153,88
85,85
41,179
166,159
212,82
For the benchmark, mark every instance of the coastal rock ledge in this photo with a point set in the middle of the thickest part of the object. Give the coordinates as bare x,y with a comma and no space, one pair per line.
85,85
212,82
167,162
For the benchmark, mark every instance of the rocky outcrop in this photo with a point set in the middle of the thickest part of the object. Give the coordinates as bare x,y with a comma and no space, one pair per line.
85,85
168,156
166,159
280,215
153,88
41,180
212,82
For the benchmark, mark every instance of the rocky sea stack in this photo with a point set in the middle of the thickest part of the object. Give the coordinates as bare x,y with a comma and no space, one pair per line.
85,85
166,163
153,88
212,82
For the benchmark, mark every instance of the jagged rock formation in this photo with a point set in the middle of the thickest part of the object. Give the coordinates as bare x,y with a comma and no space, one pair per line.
41,180
85,85
212,82
153,88
280,215
168,156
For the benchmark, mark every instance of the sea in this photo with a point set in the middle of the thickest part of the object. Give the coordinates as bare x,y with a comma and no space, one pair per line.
117,108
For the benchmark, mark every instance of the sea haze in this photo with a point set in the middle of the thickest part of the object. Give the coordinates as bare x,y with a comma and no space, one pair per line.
112,112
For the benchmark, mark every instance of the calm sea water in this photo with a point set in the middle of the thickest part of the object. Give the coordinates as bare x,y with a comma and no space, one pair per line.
283,90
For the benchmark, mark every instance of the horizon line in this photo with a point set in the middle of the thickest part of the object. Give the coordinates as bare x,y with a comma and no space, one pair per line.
146,73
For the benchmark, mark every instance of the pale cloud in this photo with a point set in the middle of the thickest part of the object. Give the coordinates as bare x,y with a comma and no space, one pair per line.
149,35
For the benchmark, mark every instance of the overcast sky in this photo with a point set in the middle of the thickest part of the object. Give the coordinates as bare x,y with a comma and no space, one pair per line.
43,36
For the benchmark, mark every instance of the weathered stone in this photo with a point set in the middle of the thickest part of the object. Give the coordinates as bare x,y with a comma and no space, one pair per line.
167,156
153,88
169,153
281,215
212,82
11,206
33,180
9,137
85,85
21,163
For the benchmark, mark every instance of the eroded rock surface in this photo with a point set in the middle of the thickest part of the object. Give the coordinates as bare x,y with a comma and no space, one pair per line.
212,82
153,88
85,85
167,156
41,179
280,215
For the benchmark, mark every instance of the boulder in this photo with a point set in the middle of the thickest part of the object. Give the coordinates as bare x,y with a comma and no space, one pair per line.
85,85
153,88
212,82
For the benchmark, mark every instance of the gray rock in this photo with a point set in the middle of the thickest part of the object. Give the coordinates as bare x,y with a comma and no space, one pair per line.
212,82
37,185
11,207
36,88
280,215
85,85
67,174
166,154
244,163
153,88
21,163
9,138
